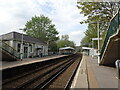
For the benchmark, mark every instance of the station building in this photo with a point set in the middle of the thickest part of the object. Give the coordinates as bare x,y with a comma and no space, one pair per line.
32,47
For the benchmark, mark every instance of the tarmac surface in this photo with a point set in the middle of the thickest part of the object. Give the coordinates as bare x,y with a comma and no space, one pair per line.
90,75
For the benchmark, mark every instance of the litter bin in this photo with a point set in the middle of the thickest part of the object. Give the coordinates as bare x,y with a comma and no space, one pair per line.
118,68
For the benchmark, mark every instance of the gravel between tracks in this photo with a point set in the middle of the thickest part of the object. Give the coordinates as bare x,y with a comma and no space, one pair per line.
41,79
62,80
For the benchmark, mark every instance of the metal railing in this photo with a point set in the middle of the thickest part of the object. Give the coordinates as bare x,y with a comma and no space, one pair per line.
112,29
9,49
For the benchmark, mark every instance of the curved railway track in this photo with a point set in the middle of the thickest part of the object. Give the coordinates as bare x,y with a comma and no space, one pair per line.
44,77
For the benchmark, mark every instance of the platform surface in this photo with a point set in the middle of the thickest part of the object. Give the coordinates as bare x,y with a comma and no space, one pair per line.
91,75
6,64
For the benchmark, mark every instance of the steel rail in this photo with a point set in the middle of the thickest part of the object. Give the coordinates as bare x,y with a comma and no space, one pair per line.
67,86
33,71
25,74
40,76
54,76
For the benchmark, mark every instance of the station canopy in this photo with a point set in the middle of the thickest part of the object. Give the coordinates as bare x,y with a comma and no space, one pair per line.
66,48
87,48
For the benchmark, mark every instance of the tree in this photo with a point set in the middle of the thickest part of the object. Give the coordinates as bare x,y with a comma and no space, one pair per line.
53,47
101,12
65,42
65,37
41,27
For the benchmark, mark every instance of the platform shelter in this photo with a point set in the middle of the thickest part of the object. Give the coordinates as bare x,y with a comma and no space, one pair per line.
66,50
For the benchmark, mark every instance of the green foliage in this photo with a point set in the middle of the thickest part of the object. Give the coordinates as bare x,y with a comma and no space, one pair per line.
42,28
53,47
65,42
65,37
101,12
89,34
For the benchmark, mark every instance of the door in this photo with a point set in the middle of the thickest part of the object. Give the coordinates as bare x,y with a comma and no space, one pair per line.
25,52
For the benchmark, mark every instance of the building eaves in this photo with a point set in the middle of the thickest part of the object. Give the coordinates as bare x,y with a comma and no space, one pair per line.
18,36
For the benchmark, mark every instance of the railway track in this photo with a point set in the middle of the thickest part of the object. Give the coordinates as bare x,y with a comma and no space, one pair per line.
16,77
45,76
65,79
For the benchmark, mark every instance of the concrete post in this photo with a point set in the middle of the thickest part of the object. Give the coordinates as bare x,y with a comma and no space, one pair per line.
118,75
118,68
22,47
21,51
98,42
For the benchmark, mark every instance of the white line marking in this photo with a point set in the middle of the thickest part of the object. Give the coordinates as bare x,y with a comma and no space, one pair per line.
76,76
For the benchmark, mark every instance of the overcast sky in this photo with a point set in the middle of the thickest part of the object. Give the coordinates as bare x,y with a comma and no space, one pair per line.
63,13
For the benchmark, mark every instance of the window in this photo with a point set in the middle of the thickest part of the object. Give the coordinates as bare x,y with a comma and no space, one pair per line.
18,47
30,47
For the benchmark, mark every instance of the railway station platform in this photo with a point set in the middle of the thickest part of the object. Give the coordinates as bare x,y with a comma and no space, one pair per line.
7,64
92,76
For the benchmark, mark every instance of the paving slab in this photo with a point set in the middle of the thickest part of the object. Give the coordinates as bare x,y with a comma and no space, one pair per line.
81,80
105,76
92,76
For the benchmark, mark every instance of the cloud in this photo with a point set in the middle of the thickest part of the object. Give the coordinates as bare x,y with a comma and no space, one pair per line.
63,13
76,36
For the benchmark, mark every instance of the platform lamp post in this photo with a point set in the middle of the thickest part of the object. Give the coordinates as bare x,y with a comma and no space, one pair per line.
98,35
98,42
21,51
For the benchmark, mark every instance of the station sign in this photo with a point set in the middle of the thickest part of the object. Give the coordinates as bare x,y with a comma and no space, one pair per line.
96,39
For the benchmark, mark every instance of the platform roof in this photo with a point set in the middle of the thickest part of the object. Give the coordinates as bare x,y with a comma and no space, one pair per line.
65,48
87,48
18,36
